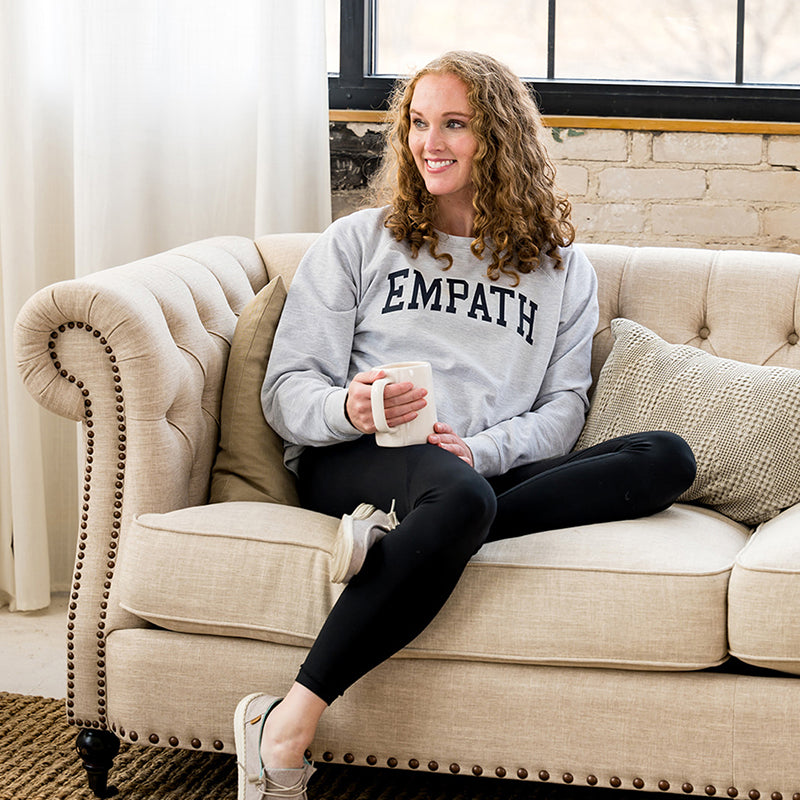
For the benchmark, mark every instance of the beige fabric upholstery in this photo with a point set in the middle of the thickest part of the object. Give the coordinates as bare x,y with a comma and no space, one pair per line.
741,421
764,599
733,304
138,353
566,595
684,731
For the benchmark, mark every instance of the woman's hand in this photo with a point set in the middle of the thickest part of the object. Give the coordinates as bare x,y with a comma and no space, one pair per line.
444,437
401,401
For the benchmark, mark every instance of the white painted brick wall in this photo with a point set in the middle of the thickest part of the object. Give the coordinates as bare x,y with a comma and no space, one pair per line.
693,189
713,190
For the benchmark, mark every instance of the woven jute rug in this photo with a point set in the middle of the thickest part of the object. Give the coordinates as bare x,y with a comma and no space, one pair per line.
38,762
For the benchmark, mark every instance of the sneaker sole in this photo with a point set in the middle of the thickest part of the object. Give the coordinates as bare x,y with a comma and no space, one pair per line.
240,723
342,553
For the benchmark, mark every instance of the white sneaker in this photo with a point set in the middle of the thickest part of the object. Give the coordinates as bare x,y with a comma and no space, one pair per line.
357,533
256,781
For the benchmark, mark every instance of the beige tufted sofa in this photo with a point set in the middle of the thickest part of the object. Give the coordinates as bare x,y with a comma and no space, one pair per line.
658,654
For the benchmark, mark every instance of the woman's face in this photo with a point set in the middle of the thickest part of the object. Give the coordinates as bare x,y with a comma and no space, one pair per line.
440,138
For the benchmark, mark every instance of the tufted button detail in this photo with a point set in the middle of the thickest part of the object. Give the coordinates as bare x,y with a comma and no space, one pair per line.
638,783
173,740
372,760
327,756
544,775
196,743
218,745
500,772
687,788
754,794
663,785
413,763
615,782
591,780
522,773
567,777
704,332
477,771
732,791
793,338
349,758
433,766
391,762
153,738
776,796
455,769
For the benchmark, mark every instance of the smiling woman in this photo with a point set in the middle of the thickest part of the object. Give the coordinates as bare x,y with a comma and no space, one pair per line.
443,147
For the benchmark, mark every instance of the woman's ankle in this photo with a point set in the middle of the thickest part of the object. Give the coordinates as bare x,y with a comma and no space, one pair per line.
290,729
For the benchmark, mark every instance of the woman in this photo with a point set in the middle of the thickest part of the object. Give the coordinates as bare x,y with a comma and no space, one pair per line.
469,266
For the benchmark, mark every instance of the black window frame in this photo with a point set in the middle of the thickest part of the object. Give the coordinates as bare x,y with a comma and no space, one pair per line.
356,87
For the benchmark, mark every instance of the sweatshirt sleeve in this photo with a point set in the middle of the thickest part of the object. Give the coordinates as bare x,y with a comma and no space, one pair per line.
555,421
304,388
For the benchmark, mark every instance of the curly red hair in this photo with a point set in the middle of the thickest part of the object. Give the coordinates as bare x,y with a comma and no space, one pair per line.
520,215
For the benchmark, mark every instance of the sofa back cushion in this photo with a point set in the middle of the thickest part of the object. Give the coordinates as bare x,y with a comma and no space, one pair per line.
742,305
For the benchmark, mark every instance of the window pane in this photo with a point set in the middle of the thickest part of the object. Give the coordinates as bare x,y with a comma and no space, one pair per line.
412,32
650,40
332,25
772,41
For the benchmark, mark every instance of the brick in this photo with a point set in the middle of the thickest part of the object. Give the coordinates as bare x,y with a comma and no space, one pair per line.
708,148
587,145
641,147
608,217
619,183
574,180
782,222
775,186
784,151
707,221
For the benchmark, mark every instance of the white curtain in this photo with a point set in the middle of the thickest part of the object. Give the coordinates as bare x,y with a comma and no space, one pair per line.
128,127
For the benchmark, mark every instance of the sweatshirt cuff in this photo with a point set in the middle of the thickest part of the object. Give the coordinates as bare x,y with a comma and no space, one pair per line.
485,455
335,418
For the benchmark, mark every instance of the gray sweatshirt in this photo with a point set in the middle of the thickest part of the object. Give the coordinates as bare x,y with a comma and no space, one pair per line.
510,363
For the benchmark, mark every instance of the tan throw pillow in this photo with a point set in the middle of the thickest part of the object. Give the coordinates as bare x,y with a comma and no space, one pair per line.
249,463
742,421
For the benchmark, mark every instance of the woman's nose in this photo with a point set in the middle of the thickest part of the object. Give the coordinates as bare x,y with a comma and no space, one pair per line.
433,141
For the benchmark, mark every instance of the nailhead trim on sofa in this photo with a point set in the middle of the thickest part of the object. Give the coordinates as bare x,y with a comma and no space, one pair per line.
113,540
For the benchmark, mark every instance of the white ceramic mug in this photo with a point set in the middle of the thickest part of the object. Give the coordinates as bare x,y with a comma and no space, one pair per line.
417,431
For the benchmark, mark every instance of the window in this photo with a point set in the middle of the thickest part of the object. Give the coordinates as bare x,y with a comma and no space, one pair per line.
701,59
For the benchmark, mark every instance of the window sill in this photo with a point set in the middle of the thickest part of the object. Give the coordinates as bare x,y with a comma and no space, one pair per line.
619,123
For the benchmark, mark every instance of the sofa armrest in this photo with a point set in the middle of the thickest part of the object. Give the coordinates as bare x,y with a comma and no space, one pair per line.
137,355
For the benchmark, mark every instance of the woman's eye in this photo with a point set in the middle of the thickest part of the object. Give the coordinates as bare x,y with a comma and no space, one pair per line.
455,123
418,123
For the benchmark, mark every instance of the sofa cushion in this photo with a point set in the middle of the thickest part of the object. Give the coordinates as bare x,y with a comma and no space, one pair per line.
641,594
741,420
764,602
249,463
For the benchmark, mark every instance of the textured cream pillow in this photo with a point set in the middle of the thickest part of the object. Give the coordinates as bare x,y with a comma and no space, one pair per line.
249,464
742,421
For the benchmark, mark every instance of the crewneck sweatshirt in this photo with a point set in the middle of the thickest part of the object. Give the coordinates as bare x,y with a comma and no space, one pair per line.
511,363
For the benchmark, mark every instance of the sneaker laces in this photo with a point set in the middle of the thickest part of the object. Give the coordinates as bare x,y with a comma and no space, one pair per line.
393,521
269,787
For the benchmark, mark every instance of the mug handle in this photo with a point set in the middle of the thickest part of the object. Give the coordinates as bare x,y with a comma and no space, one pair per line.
376,399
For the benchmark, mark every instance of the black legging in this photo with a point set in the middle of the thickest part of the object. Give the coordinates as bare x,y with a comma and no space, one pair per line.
447,511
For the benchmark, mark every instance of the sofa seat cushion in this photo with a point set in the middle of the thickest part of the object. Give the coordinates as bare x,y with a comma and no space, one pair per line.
640,594
764,596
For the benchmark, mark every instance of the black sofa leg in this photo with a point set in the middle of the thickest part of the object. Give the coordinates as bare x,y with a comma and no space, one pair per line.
97,750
